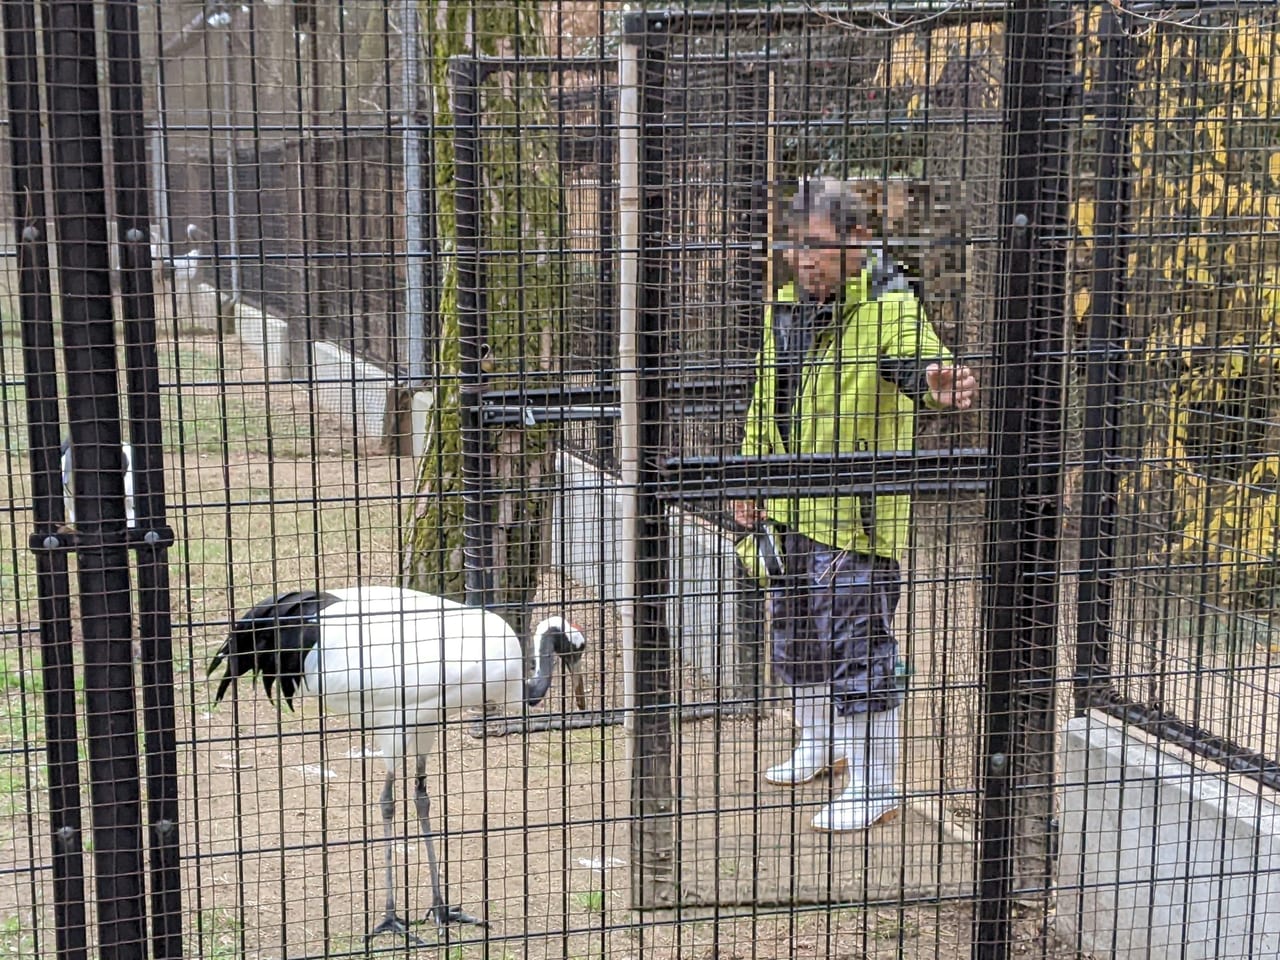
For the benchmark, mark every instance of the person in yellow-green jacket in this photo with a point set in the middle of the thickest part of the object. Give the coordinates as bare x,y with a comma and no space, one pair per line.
847,356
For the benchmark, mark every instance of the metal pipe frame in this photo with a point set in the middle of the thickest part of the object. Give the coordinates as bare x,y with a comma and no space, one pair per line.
645,534
53,585
1108,359
152,537
416,362
89,351
1019,602
477,551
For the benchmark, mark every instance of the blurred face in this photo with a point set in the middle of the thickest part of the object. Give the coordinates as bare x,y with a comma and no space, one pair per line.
821,262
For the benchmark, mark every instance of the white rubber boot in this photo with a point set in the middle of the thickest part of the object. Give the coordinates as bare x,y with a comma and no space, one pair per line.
813,754
870,797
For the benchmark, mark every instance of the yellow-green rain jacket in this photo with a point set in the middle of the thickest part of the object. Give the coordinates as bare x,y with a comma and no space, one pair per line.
844,405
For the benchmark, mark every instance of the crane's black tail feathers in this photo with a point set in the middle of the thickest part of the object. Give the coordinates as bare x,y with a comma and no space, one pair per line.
273,640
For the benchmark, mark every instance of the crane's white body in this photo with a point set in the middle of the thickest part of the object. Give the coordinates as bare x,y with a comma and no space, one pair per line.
399,660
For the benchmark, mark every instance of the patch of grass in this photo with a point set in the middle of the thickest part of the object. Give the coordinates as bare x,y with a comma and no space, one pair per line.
12,725
589,744
21,713
21,725
348,946
14,680
590,901
217,408
218,931
203,423
580,747
184,364
17,562
21,704
16,939
267,544
892,929
196,418
20,776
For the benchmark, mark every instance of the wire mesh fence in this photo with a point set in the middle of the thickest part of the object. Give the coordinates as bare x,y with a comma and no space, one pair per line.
328,323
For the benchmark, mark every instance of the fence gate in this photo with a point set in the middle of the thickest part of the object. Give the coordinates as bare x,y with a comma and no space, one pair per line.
698,91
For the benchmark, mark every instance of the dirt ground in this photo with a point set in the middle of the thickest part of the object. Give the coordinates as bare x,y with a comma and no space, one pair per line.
281,835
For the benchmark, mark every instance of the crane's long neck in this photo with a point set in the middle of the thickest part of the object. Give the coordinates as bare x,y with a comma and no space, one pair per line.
536,686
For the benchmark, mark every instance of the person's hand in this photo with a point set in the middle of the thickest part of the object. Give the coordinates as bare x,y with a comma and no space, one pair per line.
746,513
952,386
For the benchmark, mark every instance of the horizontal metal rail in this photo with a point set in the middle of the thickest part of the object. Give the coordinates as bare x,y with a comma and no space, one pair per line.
704,478
1167,727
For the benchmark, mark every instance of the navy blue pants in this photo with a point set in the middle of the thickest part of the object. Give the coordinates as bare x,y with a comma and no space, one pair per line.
832,623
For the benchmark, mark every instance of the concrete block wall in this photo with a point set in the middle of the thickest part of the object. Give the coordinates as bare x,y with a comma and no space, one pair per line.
197,304
344,384
1162,857
587,528
266,336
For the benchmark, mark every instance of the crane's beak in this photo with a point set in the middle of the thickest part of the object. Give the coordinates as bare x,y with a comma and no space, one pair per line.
579,691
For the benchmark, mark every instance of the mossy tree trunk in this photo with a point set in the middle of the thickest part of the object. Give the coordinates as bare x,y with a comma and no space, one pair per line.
520,222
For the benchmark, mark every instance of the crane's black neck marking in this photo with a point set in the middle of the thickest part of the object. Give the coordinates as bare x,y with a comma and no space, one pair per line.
555,643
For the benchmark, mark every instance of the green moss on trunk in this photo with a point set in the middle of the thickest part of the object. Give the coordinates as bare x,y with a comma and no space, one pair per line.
520,222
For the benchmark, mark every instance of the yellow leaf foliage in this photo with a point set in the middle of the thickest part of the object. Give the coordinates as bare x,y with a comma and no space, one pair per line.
1204,301
913,65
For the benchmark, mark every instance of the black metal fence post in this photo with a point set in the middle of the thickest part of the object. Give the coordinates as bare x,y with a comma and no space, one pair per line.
89,349
151,538
1106,363
477,555
995,865
606,313
646,534
1020,619
652,785
41,379
1043,467
754,194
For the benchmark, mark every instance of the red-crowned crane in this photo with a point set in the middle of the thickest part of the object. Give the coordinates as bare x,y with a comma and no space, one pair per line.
395,661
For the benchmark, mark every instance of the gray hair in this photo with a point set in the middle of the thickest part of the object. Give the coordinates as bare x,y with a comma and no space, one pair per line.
831,200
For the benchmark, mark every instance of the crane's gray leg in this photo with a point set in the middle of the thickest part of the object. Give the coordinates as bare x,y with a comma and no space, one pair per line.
440,912
391,923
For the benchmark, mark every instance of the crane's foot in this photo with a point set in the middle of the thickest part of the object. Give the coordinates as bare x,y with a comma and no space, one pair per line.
393,924
444,915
